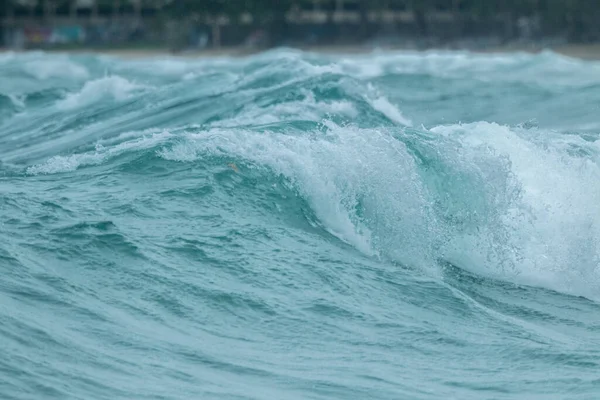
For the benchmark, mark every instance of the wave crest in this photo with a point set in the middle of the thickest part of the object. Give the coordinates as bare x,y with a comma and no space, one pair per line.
113,88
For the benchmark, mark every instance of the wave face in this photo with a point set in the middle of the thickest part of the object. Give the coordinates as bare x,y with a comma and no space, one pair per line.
300,226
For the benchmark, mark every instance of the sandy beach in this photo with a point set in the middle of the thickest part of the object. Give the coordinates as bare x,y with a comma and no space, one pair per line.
586,52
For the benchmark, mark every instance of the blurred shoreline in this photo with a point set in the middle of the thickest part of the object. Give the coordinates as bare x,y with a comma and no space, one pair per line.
579,51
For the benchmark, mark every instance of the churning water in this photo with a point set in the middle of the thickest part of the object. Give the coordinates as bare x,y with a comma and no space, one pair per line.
299,226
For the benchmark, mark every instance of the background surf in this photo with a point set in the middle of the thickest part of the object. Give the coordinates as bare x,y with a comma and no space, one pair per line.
293,225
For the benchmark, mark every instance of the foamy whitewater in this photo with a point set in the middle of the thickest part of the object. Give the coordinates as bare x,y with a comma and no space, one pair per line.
299,226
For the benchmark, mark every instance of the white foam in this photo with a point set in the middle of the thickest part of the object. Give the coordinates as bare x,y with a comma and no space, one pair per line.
321,69
338,172
516,204
363,68
308,109
62,164
380,103
384,106
544,224
113,88
55,68
58,164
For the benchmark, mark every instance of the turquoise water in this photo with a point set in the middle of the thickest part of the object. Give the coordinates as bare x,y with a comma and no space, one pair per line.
300,226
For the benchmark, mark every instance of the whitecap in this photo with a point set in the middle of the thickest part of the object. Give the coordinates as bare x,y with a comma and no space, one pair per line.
113,88
55,68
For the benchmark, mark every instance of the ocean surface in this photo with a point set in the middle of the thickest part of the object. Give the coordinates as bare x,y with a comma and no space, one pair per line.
292,225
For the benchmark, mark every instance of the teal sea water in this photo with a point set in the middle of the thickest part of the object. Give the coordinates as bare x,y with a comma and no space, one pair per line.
300,226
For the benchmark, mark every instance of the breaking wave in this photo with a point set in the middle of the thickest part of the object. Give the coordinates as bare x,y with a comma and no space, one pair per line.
314,226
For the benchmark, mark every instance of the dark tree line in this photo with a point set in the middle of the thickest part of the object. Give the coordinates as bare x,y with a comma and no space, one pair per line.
579,19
